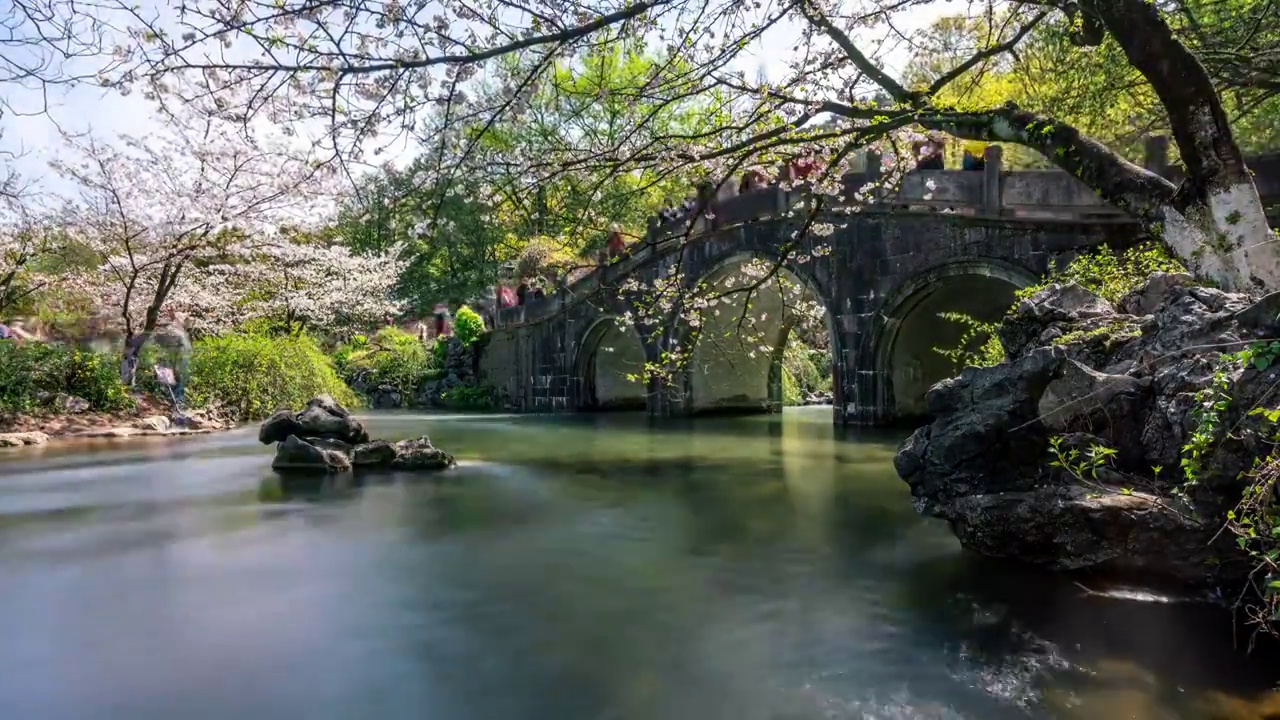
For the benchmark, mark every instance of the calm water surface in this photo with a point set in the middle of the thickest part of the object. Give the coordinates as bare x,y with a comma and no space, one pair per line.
572,568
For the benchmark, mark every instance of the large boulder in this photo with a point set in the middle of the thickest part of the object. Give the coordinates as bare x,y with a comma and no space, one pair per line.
329,405
420,454
1035,320
321,418
1006,460
378,453
296,455
279,426
318,422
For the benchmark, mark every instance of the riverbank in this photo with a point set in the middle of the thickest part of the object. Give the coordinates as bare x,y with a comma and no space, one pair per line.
148,416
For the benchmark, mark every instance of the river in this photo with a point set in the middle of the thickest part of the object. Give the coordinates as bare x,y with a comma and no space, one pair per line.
601,568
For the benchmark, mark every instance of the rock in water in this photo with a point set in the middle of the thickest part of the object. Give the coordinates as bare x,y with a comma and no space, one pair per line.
330,444
321,418
378,453
22,438
295,455
420,454
1084,375
317,422
278,427
325,438
329,405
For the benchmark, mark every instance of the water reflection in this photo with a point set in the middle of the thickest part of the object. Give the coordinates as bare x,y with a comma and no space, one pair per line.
603,567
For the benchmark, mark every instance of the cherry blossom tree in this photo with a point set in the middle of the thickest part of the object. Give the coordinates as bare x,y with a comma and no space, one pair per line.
163,210
31,239
301,285
395,63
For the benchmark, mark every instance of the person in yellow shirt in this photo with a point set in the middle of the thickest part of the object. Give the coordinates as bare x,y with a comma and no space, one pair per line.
973,155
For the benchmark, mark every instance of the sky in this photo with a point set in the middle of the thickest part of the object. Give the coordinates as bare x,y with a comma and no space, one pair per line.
35,135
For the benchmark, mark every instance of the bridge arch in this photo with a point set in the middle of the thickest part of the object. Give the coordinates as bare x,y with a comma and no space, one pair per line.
735,353
903,345
609,367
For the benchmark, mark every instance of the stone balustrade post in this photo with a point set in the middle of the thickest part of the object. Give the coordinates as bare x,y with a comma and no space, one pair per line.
993,161
874,170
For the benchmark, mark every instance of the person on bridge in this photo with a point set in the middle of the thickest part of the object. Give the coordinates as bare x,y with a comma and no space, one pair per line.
443,324
928,155
974,156
752,179
803,167
522,291
506,296
614,243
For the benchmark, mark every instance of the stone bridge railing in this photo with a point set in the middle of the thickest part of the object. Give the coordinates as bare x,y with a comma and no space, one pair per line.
1032,196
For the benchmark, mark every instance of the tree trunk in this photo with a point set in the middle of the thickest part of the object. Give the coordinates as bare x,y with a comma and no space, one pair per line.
133,345
1215,221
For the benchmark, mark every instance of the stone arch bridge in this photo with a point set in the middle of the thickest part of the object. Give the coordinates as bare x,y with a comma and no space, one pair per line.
944,241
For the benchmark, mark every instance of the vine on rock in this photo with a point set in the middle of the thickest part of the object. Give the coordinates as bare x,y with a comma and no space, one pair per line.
1255,521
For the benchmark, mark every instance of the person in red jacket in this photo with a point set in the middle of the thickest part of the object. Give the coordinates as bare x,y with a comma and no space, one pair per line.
614,243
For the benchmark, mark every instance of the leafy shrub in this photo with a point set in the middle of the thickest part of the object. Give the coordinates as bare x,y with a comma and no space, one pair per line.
468,326
390,357
790,390
253,375
1111,275
979,346
31,371
1103,271
439,352
468,397
810,369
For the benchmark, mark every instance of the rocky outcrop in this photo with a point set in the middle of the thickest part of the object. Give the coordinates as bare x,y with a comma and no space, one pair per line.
324,437
385,397
19,439
1084,374
459,370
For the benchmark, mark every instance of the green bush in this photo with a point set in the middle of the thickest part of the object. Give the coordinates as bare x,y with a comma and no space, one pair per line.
810,369
1111,275
468,326
439,351
390,357
254,375
31,371
468,397
1103,271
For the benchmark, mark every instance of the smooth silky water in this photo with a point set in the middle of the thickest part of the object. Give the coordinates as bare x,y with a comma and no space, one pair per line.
571,568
